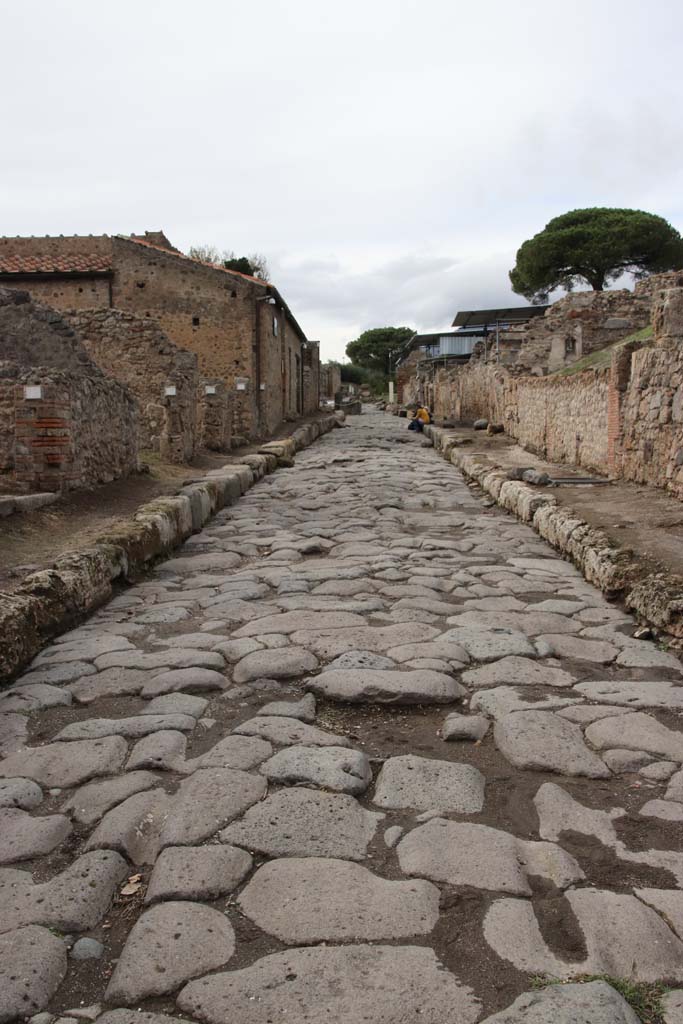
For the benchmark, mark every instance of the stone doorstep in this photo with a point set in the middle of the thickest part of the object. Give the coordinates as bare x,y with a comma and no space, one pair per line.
42,607
655,598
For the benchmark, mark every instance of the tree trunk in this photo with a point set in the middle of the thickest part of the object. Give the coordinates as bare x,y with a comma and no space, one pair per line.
596,280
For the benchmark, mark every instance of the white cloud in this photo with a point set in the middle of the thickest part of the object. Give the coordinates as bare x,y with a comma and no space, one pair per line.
389,158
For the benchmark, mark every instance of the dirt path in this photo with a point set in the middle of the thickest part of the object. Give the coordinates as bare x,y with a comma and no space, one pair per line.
365,750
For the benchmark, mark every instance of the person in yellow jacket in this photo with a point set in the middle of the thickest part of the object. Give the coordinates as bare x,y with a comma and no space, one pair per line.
420,417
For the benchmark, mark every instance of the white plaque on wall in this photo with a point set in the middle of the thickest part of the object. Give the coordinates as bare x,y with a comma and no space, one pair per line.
170,390
33,391
262,387
209,389
241,387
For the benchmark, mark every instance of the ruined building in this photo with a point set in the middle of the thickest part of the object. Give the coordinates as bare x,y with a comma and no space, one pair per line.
241,330
63,423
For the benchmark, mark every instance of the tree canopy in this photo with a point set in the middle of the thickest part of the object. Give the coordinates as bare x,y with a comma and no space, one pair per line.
596,246
375,348
254,265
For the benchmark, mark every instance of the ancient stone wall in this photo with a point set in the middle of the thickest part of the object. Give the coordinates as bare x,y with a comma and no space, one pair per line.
563,419
136,352
650,394
330,380
214,415
201,308
72,430
63,423
311,377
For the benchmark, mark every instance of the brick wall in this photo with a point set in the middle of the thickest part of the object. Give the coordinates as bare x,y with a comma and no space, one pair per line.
136,352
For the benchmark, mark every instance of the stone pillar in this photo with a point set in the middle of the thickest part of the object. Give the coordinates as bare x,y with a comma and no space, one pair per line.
215,410
177,441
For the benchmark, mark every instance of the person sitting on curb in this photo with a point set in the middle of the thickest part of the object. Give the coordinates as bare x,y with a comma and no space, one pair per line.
420,418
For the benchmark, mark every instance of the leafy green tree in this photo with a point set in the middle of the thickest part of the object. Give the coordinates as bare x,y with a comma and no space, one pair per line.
596,246
376,349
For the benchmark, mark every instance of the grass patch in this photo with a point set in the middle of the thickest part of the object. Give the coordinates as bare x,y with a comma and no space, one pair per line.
644,998
603,357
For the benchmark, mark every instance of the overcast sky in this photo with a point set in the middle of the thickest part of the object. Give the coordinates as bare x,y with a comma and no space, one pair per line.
387,156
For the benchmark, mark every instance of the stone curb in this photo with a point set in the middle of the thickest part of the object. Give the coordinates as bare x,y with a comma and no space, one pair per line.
53,600
15,503
656,598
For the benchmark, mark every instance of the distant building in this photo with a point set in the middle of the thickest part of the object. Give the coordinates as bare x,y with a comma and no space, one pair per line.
240,327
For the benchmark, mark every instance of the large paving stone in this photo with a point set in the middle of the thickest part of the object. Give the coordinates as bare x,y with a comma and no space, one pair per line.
593,1002
172,659
176,704
335,985
56,674
423,784
241,752
161,751
638,731
286,731
74,901
201,873
490,644
668,903
648,656
336,768
332,643
89,803
275,664
21,793
137,1016
542,740
112,682
531,623
305,823
32,967
197,562
430,649
13,733
188,680
134,826
634,693
515,671
27,697
500,701
291,622
577,648
461,853
23,836
61,765
139,725
168,945
303,709
386,687
314,899
464,727
623,937
362,659
206,802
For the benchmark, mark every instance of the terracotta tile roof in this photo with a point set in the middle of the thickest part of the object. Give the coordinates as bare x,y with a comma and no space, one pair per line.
82,263
191,259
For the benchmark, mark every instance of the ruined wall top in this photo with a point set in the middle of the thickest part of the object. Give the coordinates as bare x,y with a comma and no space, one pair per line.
34,335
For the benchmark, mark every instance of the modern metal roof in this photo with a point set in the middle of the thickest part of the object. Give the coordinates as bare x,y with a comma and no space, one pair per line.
508,315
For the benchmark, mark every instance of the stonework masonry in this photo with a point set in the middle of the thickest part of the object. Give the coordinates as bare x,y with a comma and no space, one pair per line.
624,419
330,379
164,378
63,423
240,328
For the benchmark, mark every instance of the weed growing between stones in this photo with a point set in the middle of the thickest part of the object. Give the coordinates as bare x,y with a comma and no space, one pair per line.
645,998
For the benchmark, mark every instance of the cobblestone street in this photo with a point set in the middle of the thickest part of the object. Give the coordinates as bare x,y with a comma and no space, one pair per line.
365,751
